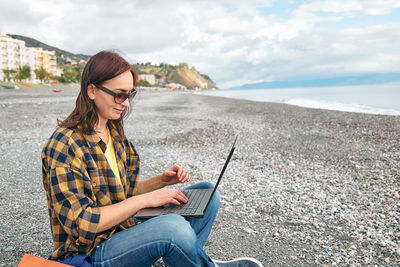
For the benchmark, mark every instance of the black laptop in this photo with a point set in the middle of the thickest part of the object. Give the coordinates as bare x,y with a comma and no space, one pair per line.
198,199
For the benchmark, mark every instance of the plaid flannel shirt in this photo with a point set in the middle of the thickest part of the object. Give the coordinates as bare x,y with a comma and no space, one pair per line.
78,180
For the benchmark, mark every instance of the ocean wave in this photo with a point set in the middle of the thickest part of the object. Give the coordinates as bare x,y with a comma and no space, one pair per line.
330,105
372,99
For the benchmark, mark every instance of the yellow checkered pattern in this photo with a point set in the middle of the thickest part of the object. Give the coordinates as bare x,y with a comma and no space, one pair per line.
78,180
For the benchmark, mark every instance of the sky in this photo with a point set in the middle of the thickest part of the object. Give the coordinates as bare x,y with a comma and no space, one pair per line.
233,42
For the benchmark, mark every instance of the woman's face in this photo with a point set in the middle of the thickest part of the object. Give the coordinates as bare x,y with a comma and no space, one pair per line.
107,109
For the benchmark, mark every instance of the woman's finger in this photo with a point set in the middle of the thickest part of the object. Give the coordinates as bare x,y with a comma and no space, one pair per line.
174,201
187,178
183,175
181,197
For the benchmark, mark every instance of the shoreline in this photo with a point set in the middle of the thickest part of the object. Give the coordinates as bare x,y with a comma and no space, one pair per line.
304,187
304,97
303,103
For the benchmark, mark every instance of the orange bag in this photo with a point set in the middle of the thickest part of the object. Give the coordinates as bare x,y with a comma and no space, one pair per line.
29,260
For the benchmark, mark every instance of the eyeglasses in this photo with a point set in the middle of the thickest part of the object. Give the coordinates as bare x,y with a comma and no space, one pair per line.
119,98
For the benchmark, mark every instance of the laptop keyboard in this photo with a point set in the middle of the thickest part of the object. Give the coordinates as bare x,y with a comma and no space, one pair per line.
194,200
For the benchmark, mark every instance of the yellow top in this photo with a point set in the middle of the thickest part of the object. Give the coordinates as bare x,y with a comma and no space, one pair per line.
111,158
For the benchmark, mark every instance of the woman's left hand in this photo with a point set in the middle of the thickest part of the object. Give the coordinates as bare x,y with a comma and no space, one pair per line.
175,174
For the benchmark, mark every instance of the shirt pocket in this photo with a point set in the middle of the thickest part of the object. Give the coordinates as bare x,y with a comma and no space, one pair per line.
94,177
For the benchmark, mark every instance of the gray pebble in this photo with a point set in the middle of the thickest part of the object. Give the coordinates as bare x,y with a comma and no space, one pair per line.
305,187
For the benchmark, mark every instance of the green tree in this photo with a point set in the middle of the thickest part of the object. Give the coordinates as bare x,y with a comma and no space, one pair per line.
9,74
78,72
61,61
23,73
183,65
71,75
54,77
42,74
144,83
165,65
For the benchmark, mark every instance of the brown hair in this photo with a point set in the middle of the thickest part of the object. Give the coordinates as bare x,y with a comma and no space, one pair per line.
101,67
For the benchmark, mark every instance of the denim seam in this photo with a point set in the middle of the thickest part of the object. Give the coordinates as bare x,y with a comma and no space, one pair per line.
161,241
185,255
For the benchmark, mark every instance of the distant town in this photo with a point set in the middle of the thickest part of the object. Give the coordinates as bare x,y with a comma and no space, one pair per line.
19,62
22,59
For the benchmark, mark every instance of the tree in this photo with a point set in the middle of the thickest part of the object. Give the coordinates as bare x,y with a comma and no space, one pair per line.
42,74
9,74
183,65
78,72
54,77
71,75
23,73
144,83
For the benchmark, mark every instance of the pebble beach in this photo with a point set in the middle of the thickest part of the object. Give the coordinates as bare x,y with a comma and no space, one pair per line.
305,187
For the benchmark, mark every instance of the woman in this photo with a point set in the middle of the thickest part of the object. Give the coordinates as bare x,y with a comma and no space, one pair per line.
91,179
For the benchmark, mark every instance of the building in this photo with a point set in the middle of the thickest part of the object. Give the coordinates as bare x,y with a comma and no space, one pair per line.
36,57
176,86
49,61
151,78
14,54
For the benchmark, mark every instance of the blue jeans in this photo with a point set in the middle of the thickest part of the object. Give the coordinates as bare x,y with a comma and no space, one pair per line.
177,240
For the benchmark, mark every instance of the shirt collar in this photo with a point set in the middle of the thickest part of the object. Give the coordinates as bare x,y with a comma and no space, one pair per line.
113,130
92,139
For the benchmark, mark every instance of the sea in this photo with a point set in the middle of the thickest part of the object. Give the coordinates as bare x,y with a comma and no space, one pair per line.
383,99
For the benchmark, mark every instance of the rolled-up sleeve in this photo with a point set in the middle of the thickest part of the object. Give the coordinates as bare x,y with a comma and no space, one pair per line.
72,205
133,169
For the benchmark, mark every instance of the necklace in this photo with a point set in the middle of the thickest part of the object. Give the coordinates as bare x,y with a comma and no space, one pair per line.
103,132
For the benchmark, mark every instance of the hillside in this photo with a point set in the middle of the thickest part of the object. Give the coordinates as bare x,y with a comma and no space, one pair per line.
335,81
30,42
165,73
180,74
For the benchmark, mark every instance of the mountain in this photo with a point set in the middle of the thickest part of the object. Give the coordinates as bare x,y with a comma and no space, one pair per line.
30,42
166,73
180,74
376,78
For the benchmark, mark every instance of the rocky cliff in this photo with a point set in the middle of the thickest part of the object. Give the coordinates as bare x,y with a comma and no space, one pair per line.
181,74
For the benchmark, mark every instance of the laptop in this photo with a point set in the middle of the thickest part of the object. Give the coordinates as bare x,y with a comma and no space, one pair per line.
198,199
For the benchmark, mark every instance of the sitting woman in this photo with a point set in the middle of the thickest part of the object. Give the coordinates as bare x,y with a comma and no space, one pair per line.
91,179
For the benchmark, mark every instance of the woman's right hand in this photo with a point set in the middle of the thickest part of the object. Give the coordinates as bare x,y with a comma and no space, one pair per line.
164,196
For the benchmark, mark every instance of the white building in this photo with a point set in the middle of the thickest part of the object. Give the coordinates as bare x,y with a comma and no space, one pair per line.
176,86
151,78
14,54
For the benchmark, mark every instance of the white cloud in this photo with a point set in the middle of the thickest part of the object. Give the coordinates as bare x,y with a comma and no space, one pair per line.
371,7
231,41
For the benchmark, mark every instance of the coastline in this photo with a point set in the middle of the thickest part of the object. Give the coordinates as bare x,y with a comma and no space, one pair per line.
379,99
304,187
